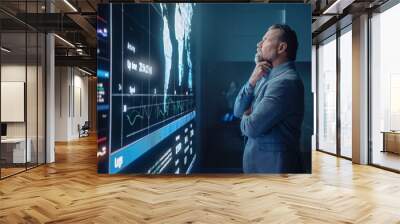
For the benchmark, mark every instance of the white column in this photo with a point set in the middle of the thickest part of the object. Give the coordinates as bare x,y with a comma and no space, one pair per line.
360,90
50,109
50,93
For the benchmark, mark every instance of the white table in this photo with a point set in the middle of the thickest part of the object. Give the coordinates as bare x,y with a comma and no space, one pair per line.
19,154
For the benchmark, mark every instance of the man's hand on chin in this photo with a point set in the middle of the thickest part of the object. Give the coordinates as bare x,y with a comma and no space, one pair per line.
261,68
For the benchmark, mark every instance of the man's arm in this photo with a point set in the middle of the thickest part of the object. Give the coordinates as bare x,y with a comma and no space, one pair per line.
272,108
243,100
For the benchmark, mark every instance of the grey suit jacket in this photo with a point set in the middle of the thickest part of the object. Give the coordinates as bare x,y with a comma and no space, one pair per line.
274,126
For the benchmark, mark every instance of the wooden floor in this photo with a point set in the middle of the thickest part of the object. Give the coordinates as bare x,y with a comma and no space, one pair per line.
387,159
70,191
10,171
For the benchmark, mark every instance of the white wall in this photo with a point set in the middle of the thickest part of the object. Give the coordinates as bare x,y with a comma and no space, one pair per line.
71,94
81,84
16,73
61,103
12,73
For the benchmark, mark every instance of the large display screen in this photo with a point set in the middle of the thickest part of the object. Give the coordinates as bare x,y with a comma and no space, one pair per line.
146,89
174,95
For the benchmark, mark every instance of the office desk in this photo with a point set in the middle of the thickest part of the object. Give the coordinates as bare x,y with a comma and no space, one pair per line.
13,150
391,141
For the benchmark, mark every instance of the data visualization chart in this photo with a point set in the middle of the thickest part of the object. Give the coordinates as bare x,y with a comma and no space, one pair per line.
152,109
140,119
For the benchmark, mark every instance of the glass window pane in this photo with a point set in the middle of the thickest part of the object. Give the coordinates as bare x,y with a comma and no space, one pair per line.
32,87
23,86
313,89
13,87
346,94
385,89
327,96
31,97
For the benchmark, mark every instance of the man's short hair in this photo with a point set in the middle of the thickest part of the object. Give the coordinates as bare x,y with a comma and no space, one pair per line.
289,37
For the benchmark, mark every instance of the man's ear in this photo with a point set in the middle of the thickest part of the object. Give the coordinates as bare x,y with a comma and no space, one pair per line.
282,47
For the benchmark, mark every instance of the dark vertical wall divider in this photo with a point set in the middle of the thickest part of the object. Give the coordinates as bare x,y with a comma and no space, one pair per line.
227,37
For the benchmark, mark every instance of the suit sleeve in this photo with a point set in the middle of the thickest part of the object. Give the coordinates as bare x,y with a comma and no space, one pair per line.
243,100
272,108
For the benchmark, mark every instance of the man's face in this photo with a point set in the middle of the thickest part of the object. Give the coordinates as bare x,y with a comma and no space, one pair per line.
268,46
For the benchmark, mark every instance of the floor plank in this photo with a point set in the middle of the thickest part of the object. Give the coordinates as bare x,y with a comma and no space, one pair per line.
70,191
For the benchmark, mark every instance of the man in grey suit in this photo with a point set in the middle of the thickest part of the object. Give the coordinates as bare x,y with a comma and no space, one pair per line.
271,106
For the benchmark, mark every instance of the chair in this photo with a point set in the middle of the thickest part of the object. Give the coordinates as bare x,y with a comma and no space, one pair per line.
84,129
